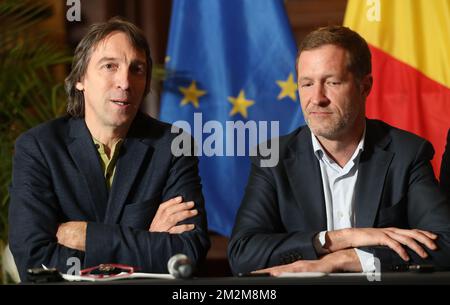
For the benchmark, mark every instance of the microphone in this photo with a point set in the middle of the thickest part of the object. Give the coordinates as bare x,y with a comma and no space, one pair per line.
180,266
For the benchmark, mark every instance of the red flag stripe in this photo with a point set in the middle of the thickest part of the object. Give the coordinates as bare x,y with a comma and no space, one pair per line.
404,97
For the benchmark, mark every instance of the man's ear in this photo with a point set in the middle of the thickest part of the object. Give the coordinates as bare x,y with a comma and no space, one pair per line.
366,85
79,86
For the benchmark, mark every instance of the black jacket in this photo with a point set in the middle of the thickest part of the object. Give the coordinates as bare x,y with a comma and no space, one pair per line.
57,177
445,168
284,208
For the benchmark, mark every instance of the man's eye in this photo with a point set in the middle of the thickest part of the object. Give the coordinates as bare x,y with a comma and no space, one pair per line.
139,69
334,83
110,66
305,85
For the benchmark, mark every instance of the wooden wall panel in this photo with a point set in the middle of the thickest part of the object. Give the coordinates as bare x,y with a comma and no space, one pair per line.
307,15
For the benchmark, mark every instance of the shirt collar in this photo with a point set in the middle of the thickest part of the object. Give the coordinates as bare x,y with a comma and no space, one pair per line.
101,147
320,152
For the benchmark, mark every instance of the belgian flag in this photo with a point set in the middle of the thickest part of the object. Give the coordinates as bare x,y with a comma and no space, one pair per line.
410,45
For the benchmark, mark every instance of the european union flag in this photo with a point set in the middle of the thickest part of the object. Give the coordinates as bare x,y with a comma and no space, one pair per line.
230,62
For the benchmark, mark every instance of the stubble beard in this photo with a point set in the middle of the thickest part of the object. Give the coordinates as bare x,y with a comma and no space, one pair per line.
331,129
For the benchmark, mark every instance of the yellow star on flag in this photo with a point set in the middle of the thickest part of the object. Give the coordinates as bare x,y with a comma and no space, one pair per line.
191,94
240,104
288,88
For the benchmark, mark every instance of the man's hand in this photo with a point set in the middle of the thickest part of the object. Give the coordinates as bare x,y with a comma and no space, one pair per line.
172,212
344,260
72,234
393,238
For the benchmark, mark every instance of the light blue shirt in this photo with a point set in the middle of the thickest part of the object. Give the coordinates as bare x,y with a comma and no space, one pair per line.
339,191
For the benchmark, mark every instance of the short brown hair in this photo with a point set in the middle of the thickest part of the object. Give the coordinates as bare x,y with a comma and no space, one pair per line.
359,58
96,33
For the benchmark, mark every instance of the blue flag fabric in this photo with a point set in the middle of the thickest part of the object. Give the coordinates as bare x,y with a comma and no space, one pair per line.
229,61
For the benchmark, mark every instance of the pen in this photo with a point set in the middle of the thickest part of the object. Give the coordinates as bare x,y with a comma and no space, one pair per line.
421,268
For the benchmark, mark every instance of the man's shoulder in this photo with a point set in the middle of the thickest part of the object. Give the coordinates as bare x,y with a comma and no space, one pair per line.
47,131
146,126
145,119
398,137
288,139
295,140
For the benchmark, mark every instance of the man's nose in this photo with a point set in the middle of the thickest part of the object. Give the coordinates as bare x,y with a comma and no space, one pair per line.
319,96
123,79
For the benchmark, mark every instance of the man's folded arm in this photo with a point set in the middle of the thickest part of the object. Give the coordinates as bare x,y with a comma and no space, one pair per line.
35,215
34,212
428,210
33,242
259,239
150,251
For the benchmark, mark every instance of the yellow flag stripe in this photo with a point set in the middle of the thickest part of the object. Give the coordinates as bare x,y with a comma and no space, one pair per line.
416,32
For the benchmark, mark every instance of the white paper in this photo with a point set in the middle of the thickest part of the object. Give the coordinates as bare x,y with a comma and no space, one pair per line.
120,276
302,274
353,274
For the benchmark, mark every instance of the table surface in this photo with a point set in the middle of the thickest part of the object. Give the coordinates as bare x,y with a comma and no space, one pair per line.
386,278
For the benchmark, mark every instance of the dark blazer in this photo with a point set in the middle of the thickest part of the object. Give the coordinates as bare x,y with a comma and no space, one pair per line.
284,208
445,168
57,177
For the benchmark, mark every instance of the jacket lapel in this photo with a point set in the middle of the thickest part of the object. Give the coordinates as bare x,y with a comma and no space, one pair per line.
305,179
372,171
134,151
86,158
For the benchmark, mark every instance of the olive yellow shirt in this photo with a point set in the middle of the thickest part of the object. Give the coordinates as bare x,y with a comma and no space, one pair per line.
108,163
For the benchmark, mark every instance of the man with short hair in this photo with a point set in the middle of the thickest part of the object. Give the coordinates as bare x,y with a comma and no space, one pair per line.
90,185
349,191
